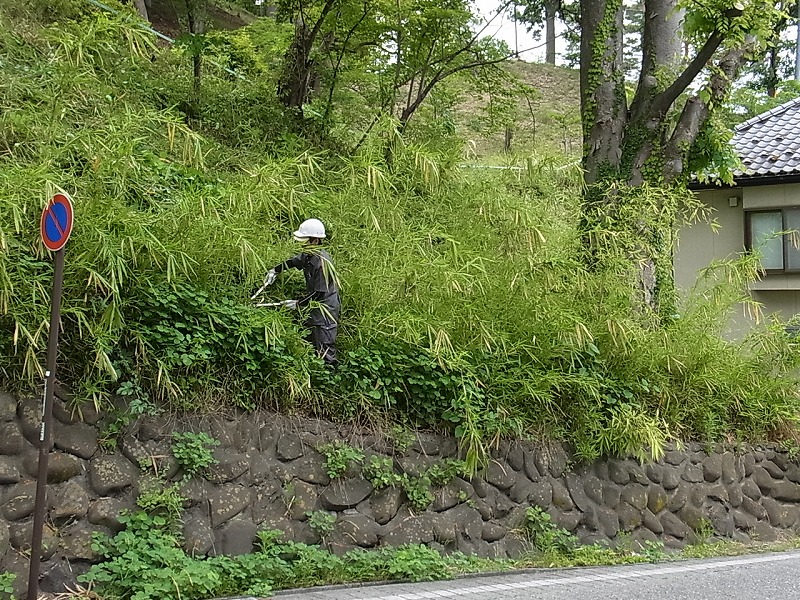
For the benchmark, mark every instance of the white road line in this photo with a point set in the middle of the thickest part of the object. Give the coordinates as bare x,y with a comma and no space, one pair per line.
560,580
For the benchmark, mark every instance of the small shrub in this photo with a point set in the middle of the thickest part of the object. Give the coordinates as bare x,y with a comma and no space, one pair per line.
321,522
442,473
338,457
379,471
193,451
418,491
156,497
545,535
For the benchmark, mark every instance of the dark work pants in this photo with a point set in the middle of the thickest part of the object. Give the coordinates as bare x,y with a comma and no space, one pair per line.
323,338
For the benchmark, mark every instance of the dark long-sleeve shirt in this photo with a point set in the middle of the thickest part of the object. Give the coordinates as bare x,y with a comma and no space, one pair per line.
321,285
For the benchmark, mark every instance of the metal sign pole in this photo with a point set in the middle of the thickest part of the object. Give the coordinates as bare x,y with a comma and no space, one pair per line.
46,431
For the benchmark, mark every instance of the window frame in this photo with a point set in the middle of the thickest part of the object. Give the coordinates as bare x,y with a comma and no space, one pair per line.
748,236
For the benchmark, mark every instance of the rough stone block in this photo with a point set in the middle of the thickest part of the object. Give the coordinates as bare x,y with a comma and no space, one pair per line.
228,467
531,472
763,480
446,497
20,537
629,517
635,495
656,499
786,491
76,542
500,475
345,494
11,440
670,479
654,472
774,470
111,472
79,439
226,502
743,520
561,497
618,472
675,458
541,494
611,494
409,529
754,508
106,512
9,472
8,406
290,447
198,537
652,522
674,527
234,538
729,473
693,473
60,466
751,490
69,501
385,503
712,468
576,491
357,530
20,501
593,488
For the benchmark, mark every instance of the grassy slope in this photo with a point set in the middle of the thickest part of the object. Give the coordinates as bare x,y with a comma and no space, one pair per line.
470,282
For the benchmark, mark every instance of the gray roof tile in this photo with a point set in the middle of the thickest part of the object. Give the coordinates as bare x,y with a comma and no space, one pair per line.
769,143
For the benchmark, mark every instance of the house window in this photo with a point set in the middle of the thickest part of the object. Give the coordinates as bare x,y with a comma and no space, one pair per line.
779,253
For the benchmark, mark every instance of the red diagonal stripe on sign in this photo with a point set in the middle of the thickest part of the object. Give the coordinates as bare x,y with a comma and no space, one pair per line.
51,213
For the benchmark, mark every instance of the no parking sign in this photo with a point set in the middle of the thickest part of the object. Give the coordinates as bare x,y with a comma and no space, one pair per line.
56,222
55,226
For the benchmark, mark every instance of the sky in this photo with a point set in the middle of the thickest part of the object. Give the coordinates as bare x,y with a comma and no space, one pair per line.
502,28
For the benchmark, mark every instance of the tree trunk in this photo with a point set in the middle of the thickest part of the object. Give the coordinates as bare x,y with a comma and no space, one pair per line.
625,149
300,75
797,47
550,8
194,14
603,101
772,72
507,137
141,8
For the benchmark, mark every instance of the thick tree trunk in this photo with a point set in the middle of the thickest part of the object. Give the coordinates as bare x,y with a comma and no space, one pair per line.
550,8
628,148
141,8
603,101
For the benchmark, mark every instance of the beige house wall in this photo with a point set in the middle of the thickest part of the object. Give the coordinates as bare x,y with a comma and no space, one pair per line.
722,236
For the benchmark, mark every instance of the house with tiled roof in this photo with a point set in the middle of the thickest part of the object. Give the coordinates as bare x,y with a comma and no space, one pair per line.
763,201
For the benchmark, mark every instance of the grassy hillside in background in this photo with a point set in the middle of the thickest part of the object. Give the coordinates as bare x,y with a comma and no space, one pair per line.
466,305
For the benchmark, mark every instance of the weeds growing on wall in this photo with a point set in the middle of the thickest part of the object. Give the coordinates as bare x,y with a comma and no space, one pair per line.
150,544
466,306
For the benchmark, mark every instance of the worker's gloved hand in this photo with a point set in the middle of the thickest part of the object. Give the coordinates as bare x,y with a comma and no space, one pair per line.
270,278
290,304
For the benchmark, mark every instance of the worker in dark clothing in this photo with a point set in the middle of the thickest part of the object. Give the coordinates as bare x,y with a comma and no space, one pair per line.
321,286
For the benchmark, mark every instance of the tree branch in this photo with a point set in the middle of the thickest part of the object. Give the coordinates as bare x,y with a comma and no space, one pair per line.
696,111
664,100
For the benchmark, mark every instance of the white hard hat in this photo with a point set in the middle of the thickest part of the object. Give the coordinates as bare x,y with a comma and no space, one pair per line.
310,228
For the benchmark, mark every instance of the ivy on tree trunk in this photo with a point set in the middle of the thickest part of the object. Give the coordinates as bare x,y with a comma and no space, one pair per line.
639,143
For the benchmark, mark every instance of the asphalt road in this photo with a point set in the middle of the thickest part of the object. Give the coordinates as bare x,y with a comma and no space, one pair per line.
759,577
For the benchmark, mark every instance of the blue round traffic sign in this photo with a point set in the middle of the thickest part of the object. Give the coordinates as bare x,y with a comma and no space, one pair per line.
56,222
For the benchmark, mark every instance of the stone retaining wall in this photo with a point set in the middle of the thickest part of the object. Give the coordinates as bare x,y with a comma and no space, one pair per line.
270,474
